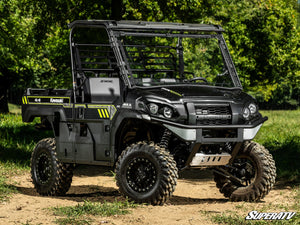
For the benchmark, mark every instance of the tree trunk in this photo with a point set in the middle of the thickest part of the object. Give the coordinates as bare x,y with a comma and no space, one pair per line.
3,98
4,85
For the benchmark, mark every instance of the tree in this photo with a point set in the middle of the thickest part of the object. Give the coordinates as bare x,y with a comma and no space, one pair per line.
262,37
265,46
34,49
18,60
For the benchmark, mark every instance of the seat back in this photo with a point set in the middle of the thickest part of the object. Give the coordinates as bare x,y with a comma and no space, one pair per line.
103,89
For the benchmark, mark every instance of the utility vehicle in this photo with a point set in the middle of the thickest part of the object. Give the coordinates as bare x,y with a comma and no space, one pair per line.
150,99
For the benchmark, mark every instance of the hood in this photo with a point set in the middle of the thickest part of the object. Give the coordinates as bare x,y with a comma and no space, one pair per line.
176,93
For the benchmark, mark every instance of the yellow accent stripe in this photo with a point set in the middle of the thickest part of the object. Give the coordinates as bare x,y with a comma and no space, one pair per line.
99,113
33,96
97,106
102,110
110,110
80,105
106,112
24,100
103,113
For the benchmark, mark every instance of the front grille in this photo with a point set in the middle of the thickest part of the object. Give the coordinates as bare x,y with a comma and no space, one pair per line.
213,114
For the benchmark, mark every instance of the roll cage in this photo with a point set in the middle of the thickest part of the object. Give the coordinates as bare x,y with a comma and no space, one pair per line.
111,59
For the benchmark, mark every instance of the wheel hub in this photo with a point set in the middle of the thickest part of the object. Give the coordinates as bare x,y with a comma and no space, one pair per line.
43,168
141,175
244,170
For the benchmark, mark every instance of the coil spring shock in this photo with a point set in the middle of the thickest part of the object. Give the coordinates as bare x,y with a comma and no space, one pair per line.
164,143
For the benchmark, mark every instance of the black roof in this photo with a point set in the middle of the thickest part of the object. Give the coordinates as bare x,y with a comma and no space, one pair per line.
142,25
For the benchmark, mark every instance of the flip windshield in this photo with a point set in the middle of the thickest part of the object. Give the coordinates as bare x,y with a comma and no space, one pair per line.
175,59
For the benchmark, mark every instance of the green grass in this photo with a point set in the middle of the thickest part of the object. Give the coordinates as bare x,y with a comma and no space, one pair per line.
16,109
73,221
17,141
281,136
281,126
5,189
80,213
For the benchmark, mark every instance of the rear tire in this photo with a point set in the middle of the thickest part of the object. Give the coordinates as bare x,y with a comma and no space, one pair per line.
146,173
49,175
256,167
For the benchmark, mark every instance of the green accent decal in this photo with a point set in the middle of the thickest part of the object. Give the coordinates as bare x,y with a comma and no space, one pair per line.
171,91
24,100
104,111
176,93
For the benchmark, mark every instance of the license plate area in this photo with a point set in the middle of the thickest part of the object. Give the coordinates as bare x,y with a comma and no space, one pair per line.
219,133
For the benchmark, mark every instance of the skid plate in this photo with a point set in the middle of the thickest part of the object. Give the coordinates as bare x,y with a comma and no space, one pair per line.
201,159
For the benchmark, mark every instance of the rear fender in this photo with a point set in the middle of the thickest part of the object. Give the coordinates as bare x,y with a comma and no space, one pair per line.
53,114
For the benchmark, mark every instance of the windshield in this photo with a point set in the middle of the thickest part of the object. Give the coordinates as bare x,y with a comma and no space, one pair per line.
175,59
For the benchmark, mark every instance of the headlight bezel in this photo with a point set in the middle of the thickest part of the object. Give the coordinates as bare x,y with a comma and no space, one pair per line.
164,110
246,113
253,108
167,112
249,111
153,108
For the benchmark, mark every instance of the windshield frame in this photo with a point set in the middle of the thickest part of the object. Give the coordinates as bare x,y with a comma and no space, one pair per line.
115,29
228,63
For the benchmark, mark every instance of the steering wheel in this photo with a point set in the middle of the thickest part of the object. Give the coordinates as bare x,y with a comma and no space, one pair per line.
198,78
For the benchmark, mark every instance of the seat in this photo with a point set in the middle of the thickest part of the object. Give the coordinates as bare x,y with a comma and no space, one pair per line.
102,89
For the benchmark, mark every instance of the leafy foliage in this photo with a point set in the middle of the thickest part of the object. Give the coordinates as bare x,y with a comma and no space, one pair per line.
262,36
265,44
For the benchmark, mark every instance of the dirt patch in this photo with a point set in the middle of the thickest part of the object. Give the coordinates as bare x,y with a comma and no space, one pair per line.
195,197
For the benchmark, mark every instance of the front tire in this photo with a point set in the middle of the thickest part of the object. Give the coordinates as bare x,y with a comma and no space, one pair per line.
49,175
146,173
255,166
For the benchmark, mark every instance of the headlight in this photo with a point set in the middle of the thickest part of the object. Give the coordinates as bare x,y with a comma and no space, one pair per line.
250,111
246,113
168,112
153,108
253,108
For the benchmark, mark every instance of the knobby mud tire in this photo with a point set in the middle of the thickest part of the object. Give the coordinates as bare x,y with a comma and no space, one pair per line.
146,173
49,175
264,179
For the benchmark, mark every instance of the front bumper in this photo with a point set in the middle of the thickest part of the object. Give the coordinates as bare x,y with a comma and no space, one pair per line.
213,134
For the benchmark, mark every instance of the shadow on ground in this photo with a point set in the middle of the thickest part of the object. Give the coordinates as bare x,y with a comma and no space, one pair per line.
100,194
97,193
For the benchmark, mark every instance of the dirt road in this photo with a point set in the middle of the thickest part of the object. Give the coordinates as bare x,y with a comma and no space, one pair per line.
196,198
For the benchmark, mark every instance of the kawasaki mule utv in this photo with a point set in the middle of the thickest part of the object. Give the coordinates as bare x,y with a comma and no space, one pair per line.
150,99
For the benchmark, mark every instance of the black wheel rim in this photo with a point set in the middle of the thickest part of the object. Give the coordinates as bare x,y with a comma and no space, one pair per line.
141,175
245,169
43,168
